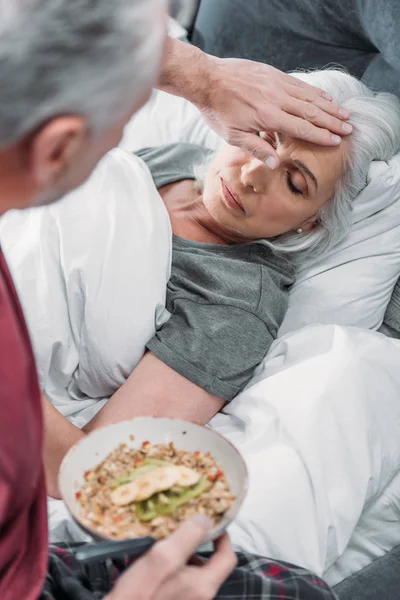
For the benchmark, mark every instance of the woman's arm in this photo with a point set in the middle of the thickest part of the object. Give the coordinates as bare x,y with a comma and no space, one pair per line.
156,390
152,389
59,436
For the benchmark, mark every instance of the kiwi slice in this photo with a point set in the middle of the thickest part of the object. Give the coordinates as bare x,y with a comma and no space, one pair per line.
165,503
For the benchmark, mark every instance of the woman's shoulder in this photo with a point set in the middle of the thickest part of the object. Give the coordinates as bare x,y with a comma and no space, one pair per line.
173,149
271,259
228,274
247,277
249,255
173,162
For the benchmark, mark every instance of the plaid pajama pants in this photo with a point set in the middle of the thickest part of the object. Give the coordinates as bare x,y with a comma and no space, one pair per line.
254,578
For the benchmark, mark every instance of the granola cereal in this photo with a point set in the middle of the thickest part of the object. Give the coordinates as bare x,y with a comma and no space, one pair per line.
150,490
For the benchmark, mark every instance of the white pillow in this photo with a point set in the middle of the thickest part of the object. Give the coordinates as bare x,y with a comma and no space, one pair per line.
91,272
166,119
352,285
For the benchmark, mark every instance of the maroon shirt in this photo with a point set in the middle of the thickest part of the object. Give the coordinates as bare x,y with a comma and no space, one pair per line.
23,519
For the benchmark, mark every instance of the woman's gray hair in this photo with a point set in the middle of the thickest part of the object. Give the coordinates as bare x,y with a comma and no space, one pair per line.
376,136
92,58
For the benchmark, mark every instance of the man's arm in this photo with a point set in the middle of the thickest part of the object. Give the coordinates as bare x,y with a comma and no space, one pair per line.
154,389
185,72
59,436
241,98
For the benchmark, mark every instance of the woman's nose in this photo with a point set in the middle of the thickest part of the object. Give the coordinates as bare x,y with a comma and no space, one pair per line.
253,174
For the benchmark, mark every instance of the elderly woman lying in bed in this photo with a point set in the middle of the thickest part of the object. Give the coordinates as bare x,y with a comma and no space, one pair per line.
239,229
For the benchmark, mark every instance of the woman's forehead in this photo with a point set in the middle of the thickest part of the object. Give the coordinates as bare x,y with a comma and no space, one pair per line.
327,162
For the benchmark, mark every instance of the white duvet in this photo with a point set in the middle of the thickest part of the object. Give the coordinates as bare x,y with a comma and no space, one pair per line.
319,425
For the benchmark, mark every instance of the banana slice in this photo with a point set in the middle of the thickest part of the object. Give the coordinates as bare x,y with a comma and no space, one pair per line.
187,477
157,480
140,489
164,477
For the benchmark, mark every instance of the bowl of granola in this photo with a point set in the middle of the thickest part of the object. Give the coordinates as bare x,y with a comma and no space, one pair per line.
144,477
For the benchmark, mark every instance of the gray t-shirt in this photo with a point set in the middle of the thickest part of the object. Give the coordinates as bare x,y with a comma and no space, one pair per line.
226,301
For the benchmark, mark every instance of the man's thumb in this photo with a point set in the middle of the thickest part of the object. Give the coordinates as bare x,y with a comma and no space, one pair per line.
258,148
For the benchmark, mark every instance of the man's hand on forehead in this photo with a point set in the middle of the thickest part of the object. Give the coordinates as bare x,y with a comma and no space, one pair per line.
239,98
248,98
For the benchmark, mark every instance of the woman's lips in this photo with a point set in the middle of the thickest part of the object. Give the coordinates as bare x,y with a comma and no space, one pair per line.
231,198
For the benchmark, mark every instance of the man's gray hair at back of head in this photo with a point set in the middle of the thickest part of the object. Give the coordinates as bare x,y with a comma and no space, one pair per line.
376,136
85,57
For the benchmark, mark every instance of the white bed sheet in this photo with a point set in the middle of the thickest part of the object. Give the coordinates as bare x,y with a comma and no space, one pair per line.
319,428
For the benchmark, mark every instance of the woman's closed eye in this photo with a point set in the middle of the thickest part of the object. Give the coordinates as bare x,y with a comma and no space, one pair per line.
291,185
276,139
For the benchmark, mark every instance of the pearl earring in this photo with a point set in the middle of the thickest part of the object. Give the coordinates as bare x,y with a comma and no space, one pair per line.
299,230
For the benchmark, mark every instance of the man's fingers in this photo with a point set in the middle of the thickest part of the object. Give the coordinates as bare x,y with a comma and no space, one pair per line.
202,583
257,146
331,108
318,116
304,130
221,563
323,101
326,105
176,550
165,558
307,88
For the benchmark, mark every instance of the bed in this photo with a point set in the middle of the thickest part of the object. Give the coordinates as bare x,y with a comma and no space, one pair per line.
318,424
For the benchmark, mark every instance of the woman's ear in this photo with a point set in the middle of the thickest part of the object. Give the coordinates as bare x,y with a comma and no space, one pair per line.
309,224
57,145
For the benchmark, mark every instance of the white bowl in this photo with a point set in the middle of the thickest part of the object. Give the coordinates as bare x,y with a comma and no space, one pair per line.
93,449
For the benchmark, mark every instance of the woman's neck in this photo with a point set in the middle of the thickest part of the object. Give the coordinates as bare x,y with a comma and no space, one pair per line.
188,215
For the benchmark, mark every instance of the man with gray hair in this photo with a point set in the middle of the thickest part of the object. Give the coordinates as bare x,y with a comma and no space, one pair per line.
72,72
